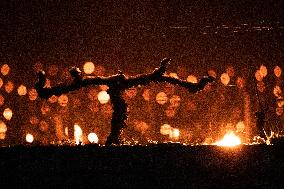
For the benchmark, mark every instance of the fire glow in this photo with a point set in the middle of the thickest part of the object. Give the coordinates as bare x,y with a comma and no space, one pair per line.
229,140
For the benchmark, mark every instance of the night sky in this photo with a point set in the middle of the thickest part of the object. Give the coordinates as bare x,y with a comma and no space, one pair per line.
133,36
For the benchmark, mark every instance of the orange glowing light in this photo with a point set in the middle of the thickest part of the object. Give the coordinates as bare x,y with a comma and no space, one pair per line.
174,134
261,86
33,94
2,100
3,127
53,99
230,71
146,94
174,75
8,114
212,73
22,90
104,87
225,78
103,97
3,130
93,138
258,75
63,100
1,82
89,67
192,79
9,87
277,91
277,71
140,126
240,82
29,138
165,129
263,71
229,140
175,100
170,111
5,69
161,98
78,133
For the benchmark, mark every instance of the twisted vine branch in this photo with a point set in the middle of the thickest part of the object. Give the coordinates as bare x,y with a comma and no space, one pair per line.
117,85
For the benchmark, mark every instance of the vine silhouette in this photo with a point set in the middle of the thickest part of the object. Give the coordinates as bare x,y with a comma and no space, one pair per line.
117,84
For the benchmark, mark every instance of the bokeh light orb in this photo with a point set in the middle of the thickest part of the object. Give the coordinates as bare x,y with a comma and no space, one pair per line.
165,129
3,127
93,138
161,98
225,79
33,94
277,71
1,82
192,79
5,69
89,67
29,138
174,134
22,90
103,97
9,87
258,76
8,113
63,100
263,71
2,100
212,73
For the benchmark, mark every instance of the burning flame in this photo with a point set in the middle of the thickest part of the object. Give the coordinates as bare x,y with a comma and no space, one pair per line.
78,134
229,140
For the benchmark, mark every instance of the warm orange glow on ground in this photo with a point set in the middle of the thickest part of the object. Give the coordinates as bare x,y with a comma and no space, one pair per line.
89,67
103,97
229,140
29,138
93,138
